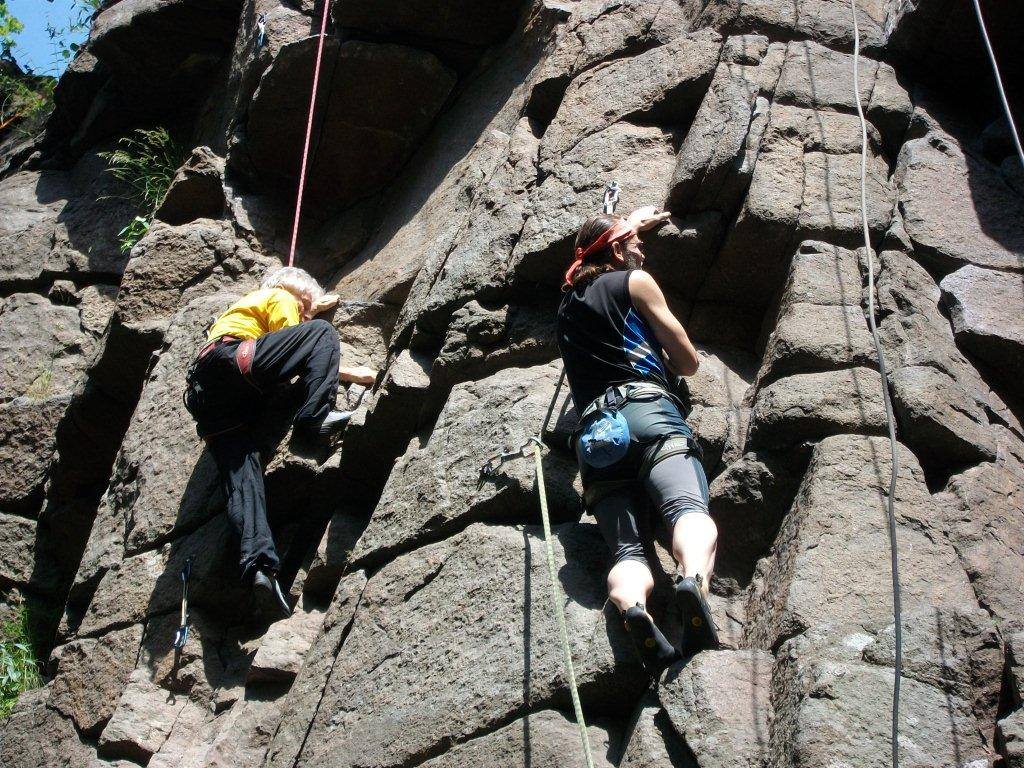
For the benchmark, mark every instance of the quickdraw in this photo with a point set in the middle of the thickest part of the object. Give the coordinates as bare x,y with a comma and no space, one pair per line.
611,196
493,464
181,636
261,30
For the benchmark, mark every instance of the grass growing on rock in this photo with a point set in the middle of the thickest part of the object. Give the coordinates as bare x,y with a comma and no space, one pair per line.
19,670
145,162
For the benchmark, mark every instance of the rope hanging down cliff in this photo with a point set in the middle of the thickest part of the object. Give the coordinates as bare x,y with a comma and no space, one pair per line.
890,420
897,613
534,444
490,469
999,81
309,131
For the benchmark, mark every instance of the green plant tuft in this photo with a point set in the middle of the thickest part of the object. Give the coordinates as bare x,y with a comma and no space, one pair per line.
145,162
25,103
19,670
77,23
133,232
39,389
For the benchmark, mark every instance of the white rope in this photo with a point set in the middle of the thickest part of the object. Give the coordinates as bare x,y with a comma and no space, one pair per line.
999,82
556,601
890,420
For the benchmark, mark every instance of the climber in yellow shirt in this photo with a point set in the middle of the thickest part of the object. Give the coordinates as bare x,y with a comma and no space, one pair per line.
258,346
260,312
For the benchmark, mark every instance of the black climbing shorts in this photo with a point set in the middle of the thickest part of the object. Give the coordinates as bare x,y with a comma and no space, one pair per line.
671,482
676,487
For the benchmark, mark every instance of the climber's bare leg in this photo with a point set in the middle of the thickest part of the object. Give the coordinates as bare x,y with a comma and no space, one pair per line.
629,582
694,543
678,488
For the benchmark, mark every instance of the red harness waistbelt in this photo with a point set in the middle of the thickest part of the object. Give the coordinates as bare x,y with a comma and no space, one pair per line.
211,344
243,357
244,353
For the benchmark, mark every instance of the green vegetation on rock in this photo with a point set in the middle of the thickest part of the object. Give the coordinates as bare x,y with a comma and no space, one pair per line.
19,670
146,162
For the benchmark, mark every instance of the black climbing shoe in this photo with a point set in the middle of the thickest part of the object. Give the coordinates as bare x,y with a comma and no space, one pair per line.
655,651
698,626
333,423
271,600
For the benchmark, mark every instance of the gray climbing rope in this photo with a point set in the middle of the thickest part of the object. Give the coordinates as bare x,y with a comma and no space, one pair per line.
890,420
999,82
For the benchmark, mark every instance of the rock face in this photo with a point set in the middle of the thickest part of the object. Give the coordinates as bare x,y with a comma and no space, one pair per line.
729,693
61,223
474,424
456,150
367,133
475,663
986,309
988,232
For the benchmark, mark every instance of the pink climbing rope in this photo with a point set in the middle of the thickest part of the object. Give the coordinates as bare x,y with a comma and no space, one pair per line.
309,133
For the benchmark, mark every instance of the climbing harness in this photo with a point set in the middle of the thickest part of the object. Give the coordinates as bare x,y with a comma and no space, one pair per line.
309,133
490,469
890,420
181,636
261,30
604,435
999,82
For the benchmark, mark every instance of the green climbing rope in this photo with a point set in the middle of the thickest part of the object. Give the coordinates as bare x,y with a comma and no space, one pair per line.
556,604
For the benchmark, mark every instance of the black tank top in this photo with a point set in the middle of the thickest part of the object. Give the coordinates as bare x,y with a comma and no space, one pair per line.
604,341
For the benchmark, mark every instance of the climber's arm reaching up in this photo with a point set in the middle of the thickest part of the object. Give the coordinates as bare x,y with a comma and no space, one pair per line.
650,302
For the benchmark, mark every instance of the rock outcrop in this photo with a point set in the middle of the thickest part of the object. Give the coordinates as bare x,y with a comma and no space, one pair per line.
457,148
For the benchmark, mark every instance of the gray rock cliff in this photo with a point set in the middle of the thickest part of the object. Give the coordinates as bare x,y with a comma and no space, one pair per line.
458,147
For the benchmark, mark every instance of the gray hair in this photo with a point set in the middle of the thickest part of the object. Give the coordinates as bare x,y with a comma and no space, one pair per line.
294,280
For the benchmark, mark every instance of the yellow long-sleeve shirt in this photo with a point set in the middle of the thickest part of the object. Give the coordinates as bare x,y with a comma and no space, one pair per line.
257,313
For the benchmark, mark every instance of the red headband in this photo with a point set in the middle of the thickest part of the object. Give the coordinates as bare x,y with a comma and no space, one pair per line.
618,231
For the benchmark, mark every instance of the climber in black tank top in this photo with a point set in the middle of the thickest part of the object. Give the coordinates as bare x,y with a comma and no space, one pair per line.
604,341
619,340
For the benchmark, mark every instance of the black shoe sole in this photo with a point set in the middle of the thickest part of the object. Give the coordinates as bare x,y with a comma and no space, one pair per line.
655,652
269,604
699,632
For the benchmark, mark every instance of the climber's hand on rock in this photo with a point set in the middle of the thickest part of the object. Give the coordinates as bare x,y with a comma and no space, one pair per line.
324,303
359,374
646,218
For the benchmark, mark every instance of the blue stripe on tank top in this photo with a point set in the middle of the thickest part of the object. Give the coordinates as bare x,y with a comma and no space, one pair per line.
638,347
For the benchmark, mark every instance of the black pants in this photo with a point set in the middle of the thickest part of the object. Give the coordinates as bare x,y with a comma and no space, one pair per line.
226,405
